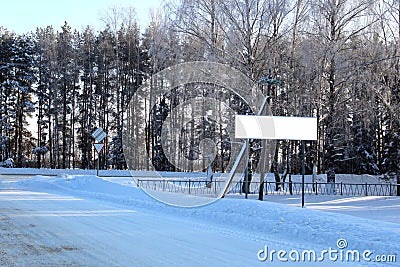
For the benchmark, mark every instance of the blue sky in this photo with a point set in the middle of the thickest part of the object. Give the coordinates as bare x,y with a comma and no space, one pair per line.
22,16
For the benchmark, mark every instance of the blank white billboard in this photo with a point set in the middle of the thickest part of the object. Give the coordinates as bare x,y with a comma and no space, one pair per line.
275,127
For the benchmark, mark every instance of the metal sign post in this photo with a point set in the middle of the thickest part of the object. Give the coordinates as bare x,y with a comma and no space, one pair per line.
246,174
303,170
98,147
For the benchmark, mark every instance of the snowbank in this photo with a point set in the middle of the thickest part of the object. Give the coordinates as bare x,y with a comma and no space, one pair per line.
345,178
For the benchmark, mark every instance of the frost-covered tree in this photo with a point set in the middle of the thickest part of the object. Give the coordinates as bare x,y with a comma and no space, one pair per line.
335,24
17,78
6,96
43,65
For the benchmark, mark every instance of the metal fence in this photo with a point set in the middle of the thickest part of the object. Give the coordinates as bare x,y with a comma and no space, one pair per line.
195,187
316,188
202,187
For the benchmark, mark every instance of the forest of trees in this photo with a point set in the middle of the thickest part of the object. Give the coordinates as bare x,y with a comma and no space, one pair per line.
337,60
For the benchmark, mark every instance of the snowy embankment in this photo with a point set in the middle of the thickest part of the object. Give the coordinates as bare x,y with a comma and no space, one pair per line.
345,178
102,173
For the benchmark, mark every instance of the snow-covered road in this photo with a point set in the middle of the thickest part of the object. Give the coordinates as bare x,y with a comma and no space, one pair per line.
42,229
86,221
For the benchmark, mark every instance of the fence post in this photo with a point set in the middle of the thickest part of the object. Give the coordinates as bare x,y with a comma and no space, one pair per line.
189,186
366,189
341,188
390,189
215,186
316,188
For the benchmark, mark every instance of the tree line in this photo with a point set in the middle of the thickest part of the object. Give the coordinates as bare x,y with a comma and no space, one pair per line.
337,60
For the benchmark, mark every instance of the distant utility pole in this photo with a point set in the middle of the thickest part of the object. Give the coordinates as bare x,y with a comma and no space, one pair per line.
267,102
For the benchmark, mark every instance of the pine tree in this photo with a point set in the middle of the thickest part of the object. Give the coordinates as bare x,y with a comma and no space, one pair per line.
364,154
86,98
16,78
6,95
44,64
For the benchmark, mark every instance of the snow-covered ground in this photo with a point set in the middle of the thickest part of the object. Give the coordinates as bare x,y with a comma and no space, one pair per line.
83,220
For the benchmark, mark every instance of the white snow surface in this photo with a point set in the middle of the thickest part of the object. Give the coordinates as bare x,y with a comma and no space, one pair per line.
84,220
